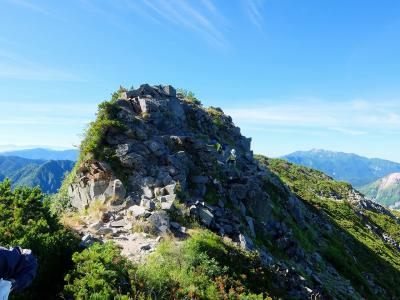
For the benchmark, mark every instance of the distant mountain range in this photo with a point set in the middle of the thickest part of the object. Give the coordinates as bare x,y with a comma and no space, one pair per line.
44,153
48,174
385,191
352,168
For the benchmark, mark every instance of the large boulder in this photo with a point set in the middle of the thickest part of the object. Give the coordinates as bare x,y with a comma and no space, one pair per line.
159,220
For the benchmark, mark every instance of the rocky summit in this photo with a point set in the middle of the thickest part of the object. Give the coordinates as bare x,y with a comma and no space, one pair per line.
159,165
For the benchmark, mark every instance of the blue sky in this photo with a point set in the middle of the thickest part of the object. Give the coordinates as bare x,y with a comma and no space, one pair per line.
294,75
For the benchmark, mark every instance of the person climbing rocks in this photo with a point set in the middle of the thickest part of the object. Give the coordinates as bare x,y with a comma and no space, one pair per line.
231,160
18,268
231,163
218,147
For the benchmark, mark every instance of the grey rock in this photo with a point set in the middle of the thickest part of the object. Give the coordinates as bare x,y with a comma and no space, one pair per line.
148,204
125,104
250,223
116,191
88,240
155,147
169,90
145,247
170,189
160,221
148,192
132,160
239,190
104,231
266,258
96,226
122,149
119,223
178,227
242,208
174,225
246,242
167,198
199,179
205,216
137,211
227,228
167,205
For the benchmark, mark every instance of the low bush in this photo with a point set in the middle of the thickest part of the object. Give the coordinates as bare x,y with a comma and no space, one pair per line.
100,273
201,267
27,222
189,96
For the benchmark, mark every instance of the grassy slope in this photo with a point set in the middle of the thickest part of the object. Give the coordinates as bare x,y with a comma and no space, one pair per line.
351,247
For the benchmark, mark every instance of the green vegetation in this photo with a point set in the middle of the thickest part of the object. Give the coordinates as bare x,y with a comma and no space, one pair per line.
100,273
189,96
96,132
201,267
216,113
25,221
351,247
93,143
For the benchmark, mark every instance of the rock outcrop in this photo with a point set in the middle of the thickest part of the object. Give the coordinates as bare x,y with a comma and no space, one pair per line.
170,170
169,145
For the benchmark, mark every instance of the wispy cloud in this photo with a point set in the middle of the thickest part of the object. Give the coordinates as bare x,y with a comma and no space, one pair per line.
357,117
183,14
13,66
200,17
254,9
348,131
36,8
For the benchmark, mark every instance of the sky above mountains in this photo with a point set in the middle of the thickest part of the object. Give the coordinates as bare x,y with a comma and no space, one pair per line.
293,74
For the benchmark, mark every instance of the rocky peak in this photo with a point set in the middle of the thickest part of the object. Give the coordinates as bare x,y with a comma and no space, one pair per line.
173,149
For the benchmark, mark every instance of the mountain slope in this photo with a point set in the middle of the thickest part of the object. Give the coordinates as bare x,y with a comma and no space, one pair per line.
385,191
44,154
348,167
359,237
9,164
48,175
160,163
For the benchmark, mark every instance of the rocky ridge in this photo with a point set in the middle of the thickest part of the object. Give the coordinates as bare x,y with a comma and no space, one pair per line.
170,174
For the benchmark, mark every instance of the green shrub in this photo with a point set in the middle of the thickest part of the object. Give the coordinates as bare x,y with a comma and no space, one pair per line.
93,145
100,273
26,221
201,267
189,96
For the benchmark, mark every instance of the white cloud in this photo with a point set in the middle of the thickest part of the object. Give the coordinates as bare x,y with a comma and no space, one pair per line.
254,10
204,20
348,117
348,131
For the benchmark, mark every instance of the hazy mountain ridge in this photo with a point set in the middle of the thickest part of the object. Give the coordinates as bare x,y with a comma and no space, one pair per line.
44,154
385,191
48,175
349,167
